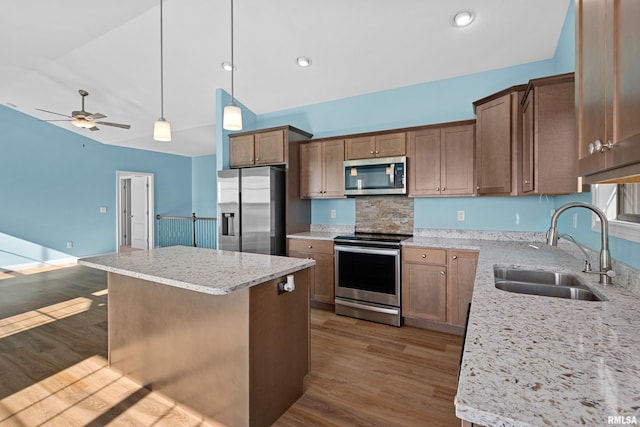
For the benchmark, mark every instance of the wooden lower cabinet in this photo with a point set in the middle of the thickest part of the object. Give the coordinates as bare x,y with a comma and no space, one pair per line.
322,274
437,284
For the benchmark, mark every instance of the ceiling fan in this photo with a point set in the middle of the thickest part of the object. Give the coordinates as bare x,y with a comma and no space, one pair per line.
84,119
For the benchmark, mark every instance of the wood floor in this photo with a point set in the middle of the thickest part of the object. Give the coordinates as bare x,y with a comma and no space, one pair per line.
53,367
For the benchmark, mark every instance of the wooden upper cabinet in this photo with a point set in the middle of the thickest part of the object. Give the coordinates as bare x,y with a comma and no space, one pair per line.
266,147
441,161
549,150
384,145
498,142
270,148
321,173
241,151
608,90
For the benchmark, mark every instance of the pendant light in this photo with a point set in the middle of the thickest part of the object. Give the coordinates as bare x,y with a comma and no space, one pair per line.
161,128
232,117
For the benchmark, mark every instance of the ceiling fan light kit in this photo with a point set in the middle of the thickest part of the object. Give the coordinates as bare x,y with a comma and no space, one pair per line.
161,127
232,115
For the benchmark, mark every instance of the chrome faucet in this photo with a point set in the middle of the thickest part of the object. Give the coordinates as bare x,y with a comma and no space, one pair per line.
606,273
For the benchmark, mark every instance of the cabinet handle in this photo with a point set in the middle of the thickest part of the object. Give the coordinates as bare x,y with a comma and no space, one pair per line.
443,189
599,146
442,273
478,187
455,257
310,247
371,152
257,159
526,181
423,255
377,152
437,188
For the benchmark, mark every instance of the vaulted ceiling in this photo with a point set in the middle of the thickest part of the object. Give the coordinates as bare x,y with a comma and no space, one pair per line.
50,49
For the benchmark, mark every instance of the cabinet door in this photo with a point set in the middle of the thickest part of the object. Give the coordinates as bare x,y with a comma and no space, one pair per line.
311,170
360,148
456,161
462,275
270,148
424,291
323,288
424,162
591,63
528,143
241,151
493,146
333,168
391,145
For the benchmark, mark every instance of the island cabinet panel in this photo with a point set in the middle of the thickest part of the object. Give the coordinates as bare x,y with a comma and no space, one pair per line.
321,171
549,150
322,278
370,146
441,161
237,359
608,90
498,141
437,285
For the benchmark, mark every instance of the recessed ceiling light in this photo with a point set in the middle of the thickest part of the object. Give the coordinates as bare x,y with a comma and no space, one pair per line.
303,61
464,18
227,66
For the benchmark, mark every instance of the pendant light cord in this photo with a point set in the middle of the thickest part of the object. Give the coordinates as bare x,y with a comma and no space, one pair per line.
233,64
161,67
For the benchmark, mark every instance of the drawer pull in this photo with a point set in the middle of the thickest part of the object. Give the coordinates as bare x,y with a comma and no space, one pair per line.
442,273
423,255
455,257
310,247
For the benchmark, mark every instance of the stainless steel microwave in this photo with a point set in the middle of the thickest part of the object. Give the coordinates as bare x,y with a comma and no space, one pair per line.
384,175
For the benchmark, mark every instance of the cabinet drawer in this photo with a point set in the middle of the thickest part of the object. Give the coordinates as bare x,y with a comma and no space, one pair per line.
424,255
311,245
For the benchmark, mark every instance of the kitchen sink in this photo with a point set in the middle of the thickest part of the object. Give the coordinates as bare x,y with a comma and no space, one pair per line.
537,276
543,283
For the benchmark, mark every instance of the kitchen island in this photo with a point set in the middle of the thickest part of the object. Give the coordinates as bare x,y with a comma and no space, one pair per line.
540,361
212,330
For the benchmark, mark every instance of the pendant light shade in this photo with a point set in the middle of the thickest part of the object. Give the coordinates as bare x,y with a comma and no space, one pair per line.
161,128
232,116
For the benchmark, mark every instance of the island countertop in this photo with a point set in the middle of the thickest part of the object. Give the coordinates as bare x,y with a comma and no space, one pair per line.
540,361
203,270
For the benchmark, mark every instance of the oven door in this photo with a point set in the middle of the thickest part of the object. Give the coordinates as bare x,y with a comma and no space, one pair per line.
368,274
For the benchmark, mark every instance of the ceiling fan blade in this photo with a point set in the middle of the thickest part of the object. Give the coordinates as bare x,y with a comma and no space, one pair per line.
52,112
96,116
61,120
118,125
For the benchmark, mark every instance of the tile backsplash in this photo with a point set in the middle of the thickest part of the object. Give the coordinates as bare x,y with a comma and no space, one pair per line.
384,214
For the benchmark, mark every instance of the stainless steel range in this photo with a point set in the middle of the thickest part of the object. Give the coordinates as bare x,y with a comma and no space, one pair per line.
368,277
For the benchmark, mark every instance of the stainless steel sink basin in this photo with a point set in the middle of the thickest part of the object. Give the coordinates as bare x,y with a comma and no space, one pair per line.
543,283
558,291
537,276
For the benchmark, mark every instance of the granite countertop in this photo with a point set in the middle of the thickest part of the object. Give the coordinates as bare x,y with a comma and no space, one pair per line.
203,270
316,235
541,361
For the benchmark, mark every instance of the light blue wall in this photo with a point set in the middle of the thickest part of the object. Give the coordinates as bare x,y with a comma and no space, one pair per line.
53,182
204,191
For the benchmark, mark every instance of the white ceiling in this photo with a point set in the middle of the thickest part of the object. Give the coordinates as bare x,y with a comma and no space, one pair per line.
50,49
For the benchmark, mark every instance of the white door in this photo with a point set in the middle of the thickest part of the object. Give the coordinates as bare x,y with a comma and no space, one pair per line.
139,213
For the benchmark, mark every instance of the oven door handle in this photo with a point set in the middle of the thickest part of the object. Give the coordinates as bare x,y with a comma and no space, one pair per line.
367,307
366,250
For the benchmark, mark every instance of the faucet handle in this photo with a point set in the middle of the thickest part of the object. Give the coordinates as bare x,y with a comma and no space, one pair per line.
587,266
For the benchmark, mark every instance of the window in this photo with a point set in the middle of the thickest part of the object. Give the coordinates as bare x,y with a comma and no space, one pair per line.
628,202
622,212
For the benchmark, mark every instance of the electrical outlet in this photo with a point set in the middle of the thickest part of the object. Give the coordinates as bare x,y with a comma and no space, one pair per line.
460,215
103,209
69,244
333,213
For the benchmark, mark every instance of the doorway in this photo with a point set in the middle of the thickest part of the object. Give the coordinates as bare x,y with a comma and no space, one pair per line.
135,211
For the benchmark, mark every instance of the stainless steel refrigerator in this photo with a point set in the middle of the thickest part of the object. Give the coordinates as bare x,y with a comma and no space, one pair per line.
251,210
